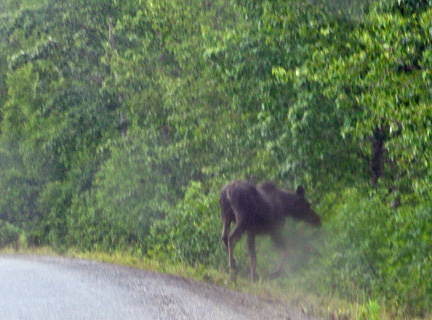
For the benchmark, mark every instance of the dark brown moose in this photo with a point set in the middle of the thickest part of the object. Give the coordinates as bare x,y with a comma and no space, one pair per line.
260,209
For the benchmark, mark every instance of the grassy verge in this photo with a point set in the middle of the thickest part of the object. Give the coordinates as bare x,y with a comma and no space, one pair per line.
285,291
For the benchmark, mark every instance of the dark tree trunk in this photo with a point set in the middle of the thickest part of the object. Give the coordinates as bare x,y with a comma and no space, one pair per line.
377,155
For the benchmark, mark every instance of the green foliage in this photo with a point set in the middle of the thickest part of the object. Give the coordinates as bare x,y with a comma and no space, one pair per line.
131,189
361,245
410,261
53,203
190,232
406,7
370,311
19,189
290,91
9,234
371,77
381,251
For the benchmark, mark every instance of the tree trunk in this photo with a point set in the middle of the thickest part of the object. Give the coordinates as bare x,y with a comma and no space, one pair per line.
377,158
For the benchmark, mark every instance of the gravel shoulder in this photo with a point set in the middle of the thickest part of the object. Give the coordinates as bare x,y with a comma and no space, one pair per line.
41,287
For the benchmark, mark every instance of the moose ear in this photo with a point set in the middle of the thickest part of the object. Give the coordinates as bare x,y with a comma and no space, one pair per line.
300,191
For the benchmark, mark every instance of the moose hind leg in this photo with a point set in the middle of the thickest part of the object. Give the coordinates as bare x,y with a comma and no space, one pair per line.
227,217
225,232
252,255
233,238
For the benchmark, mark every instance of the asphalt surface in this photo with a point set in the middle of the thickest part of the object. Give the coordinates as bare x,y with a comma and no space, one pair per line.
35,287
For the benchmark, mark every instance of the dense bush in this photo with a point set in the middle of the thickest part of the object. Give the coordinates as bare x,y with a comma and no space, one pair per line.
359,243
121,120
191,231
381,251
129,192
9,234
409,263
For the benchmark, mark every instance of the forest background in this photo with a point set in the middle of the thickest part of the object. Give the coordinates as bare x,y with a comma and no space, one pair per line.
121,121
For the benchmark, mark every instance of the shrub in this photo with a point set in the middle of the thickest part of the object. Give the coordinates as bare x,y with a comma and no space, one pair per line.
130,190
191,231
409,267
381,251
9,234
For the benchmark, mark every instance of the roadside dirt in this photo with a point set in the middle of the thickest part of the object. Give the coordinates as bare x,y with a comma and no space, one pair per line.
35,287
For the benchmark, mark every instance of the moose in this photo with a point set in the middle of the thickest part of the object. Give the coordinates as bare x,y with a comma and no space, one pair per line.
257,210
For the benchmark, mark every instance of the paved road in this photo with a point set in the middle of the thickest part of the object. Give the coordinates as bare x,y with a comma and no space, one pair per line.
34,287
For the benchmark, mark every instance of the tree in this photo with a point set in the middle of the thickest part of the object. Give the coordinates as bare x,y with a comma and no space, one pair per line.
56,120
378,76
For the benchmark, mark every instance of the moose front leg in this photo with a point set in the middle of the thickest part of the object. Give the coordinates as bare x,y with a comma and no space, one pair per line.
280,243
252,255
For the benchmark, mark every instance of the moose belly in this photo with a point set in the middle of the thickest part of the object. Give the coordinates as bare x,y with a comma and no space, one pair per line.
265,226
